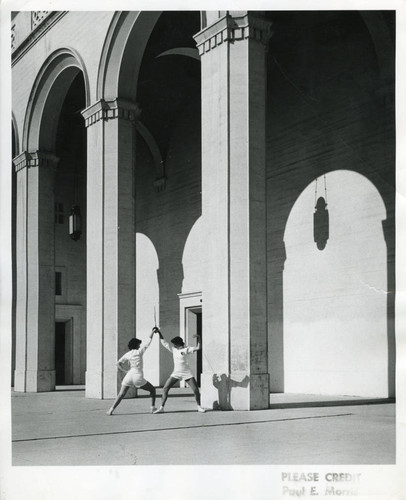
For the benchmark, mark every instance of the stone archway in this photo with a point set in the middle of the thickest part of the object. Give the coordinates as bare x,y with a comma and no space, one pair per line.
122,53
110,122
126,183
35,236
48,92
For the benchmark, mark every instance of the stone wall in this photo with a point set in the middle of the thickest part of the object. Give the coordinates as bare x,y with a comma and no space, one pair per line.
329,113
330,311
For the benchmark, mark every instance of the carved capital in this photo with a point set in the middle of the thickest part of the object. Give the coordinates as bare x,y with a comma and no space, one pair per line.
35,159
110,110
233,29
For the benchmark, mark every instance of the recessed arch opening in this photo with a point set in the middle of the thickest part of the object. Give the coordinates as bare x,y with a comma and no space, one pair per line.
54,126
335,301
70,147
47,96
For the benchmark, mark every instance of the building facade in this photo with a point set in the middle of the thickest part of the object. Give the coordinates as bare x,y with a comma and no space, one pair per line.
234,173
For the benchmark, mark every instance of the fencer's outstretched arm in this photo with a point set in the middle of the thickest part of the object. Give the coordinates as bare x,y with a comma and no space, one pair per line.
198,342
158,331
163,341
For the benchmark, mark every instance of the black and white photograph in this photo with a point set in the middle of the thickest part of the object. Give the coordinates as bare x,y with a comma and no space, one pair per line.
202,250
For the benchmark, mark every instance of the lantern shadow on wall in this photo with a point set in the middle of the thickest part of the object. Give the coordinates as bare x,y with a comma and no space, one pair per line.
321,224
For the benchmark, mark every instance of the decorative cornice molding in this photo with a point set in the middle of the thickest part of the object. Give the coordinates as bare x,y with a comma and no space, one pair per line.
38,32
37,16
231,29
35,159
110,110
13,37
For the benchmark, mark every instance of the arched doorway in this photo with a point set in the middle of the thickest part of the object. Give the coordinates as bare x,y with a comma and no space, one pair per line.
168,194
70,247
52,127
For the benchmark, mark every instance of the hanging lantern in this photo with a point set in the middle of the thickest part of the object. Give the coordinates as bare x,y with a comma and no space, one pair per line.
321,223
75,223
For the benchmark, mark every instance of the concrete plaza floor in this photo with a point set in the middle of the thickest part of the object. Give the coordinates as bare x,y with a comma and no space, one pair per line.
65,428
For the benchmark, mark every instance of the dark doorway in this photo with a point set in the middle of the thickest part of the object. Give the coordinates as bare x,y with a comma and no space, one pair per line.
194,323
199,330
60,353
63,353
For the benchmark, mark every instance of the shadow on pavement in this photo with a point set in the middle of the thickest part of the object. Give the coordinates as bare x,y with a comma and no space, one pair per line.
177,428
317,404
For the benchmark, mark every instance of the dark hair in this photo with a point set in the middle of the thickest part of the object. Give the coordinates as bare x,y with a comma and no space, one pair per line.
134,344
178,341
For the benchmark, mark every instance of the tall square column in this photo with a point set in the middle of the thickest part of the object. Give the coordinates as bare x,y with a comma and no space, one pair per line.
110,241
35,300
235,368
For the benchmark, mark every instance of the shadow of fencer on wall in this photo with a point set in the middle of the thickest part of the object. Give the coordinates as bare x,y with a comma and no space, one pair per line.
224,384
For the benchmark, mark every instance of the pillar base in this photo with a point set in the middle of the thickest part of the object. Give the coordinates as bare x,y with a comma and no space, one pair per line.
94,385
214,391
112,385
19,381
34,380
249,392
236,392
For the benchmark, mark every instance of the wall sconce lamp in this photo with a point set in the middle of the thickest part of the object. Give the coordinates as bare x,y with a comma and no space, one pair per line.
75,223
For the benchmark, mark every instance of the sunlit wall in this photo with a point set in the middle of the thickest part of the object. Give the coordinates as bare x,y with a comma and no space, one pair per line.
335,320
147,303
192,259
